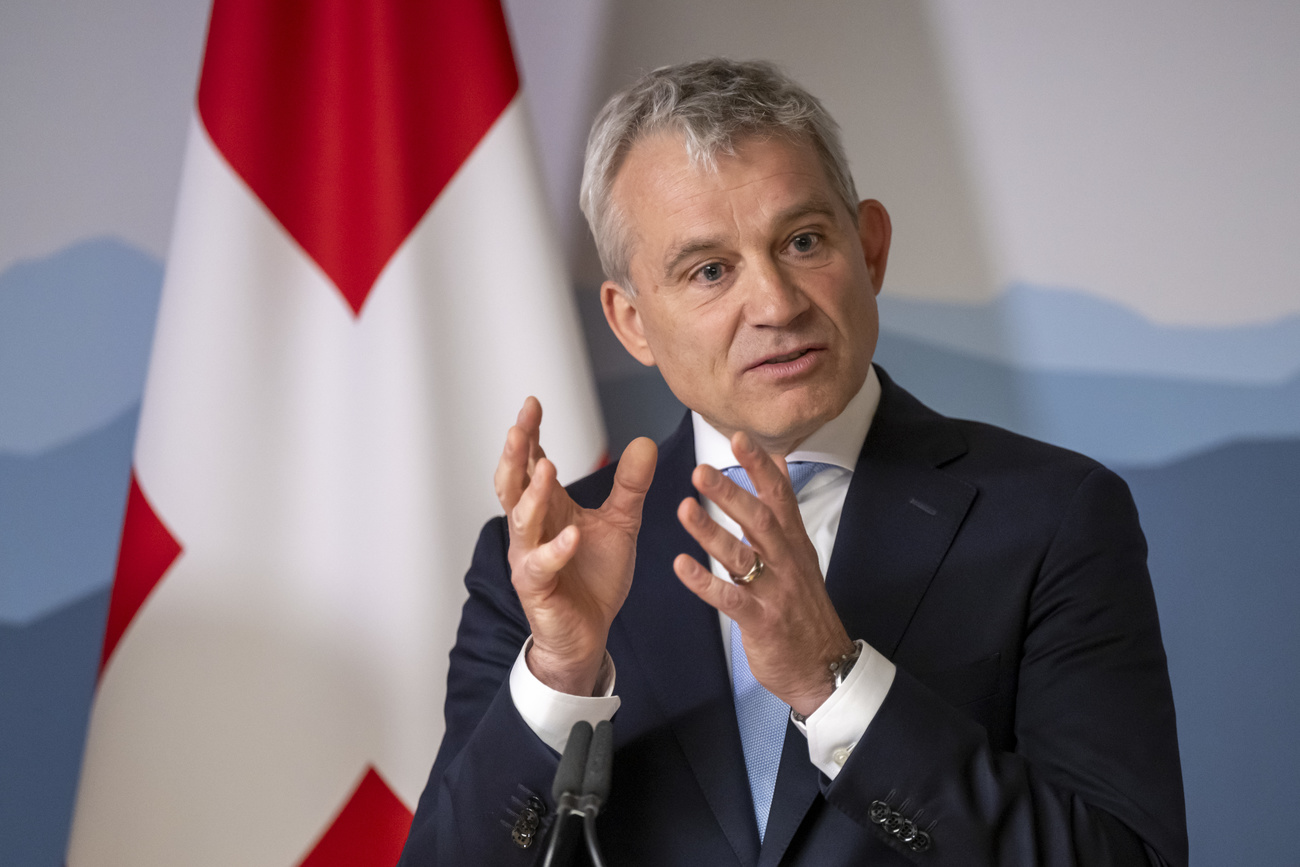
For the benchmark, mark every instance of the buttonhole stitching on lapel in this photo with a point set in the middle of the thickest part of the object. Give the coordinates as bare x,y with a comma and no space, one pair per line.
924,507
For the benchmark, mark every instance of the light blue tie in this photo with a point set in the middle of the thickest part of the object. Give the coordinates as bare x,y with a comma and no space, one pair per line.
761,715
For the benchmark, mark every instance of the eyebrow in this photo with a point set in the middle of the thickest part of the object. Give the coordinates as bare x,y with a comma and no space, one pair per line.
688,250
816,206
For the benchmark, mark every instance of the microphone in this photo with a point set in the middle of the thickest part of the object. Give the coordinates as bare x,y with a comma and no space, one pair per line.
569,776
598,776
596,782
566,790
582,785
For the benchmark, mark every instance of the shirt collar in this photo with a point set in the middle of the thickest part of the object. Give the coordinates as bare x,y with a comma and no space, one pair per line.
837,442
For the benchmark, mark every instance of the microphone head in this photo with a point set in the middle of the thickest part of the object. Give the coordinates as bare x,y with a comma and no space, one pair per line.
568,777
600,763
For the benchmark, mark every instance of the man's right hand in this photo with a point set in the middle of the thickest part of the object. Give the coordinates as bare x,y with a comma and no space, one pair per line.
572,567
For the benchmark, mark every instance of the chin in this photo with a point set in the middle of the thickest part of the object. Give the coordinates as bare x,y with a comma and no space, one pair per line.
809,411
787,427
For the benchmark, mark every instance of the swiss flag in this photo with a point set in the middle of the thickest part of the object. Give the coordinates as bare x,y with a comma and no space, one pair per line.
361,290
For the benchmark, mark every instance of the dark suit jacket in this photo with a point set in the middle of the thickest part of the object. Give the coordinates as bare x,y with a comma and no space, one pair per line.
1030,721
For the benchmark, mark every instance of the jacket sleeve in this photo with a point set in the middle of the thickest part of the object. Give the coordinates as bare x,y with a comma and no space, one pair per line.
490,763
1092,776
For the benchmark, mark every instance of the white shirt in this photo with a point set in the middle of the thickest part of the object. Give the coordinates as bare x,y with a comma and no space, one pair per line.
835,728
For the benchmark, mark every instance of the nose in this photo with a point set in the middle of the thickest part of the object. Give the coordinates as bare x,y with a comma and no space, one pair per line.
774,299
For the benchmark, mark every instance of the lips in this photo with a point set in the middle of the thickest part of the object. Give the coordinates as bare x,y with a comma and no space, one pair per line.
776,360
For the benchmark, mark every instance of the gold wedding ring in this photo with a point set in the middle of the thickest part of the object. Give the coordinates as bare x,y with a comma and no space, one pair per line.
754,571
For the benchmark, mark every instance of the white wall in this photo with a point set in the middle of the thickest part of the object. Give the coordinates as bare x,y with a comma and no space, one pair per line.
1145,152
94,100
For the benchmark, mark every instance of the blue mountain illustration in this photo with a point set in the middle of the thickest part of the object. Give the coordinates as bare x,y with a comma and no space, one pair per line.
1224,559
1116,418
47,678
61,518
74,341
1052,329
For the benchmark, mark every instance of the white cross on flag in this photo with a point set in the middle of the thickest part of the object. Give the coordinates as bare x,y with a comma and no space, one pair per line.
360,292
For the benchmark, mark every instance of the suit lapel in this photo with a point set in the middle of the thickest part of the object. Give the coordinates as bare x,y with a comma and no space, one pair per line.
676,642
797,786
900,515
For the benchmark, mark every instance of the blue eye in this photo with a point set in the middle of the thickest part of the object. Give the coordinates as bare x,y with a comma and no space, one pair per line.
804,243
710,273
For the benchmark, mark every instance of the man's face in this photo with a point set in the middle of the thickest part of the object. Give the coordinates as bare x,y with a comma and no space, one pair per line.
756,293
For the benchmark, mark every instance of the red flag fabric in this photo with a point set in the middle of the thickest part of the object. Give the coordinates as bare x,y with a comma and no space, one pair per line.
362,287
348,129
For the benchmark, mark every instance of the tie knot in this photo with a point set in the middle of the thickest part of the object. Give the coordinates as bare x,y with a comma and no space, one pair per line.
801,473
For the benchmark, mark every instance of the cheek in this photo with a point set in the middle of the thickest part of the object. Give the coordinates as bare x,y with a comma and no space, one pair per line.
857,312
870,315
678,350
692,344
694,335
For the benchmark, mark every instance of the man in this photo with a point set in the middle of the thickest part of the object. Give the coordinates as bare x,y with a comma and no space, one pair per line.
916,640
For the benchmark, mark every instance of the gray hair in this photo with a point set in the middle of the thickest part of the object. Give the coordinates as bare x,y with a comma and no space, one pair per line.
713,104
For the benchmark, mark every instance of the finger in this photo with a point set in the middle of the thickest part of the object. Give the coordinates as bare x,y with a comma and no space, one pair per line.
535,454
543,564
724,596
513,472
769,476
530,416
529,514
636,469
756,519
530,421
734,555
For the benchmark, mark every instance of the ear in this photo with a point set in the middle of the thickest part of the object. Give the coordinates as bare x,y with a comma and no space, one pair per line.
875,230
625,321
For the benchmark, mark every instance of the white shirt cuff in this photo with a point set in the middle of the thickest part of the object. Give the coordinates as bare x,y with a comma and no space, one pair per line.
550,713
835,728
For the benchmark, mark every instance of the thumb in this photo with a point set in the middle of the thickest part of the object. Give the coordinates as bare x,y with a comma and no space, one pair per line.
632,478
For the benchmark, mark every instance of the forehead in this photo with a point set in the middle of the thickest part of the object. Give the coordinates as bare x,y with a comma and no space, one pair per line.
659,189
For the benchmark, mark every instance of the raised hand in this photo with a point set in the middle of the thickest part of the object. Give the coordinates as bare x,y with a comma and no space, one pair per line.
572,567
789,627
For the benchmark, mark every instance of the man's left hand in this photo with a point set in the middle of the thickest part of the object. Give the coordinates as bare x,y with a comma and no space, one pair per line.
788,625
